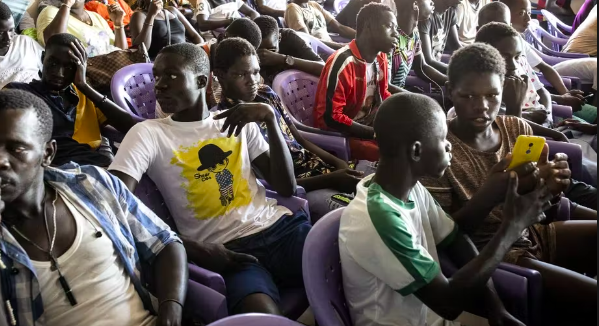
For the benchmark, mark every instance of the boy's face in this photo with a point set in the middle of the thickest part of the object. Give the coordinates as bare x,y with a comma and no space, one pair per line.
477,99
511,50
426,9
435,154
242,79
385,32
58,70
177,86
520,13
7,33
270,42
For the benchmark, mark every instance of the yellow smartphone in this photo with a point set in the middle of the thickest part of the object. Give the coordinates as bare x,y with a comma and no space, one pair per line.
527,149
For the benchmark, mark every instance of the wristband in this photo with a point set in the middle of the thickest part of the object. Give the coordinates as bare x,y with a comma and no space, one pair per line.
170,300
65,5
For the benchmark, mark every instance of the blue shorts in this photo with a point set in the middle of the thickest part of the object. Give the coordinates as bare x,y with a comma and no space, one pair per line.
279,252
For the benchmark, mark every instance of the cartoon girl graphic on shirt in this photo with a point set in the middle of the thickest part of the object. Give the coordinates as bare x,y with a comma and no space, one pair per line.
213,159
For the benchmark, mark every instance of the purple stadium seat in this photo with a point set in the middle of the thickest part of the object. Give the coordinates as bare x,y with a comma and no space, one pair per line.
293,301
338,5
323,50
535,40
297,91
255,320
134,84
556,26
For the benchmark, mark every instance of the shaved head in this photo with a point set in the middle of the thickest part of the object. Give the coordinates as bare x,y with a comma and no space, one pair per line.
494,12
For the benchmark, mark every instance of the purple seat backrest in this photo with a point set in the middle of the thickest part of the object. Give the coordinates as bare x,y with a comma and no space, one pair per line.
323,50
149,194
255,320
322,272
555,26
134,84
297,91
338,5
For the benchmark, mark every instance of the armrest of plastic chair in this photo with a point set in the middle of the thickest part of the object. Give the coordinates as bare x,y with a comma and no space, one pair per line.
337,145
112,134
207,278
562,111
293,203
338,38
567,81
299,191
445,58
203,304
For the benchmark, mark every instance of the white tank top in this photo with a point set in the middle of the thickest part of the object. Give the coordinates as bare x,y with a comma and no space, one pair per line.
104,292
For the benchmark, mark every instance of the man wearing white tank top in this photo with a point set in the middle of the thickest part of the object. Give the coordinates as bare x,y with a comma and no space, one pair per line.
75,244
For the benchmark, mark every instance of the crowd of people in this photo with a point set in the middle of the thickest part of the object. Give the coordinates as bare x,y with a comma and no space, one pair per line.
429,172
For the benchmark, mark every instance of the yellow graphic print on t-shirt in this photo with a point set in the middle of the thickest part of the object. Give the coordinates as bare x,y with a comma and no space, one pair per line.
214,181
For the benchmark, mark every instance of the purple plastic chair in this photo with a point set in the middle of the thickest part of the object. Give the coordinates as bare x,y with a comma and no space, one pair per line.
297,91
134,84
338,5
536,42
323,50
557,43
556,26
293,301
520,288
255,320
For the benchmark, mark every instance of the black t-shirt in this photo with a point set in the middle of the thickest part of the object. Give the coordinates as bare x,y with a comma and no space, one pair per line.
293,45
436,28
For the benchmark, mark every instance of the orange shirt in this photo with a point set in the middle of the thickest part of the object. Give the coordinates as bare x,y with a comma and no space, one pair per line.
102,10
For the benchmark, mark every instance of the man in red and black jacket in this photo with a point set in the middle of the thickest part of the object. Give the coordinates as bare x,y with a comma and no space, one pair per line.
354,81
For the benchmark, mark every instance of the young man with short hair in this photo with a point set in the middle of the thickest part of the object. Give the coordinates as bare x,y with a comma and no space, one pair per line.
561,251
77,246
520,19
203,164
408,47
326,178
354,81
391,233
467,13
439,32
79,111
20,55
282,49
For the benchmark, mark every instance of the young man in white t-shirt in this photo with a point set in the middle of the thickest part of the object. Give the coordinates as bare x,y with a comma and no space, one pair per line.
390,233
202,163
20,55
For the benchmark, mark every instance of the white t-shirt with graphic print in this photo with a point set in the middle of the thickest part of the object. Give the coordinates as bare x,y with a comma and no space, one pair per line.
205,177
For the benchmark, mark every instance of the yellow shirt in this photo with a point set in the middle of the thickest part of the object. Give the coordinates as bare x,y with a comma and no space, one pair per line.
88,121
98,38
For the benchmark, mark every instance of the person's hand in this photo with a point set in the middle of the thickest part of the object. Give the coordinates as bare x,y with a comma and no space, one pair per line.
503,318
241,114
156,7
79,57
340,164
345,180
497,181
574,101
522,211
556,173
215,257
574,124
116,14
576,92
514,91
270,58
68,3
537,116
169,314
